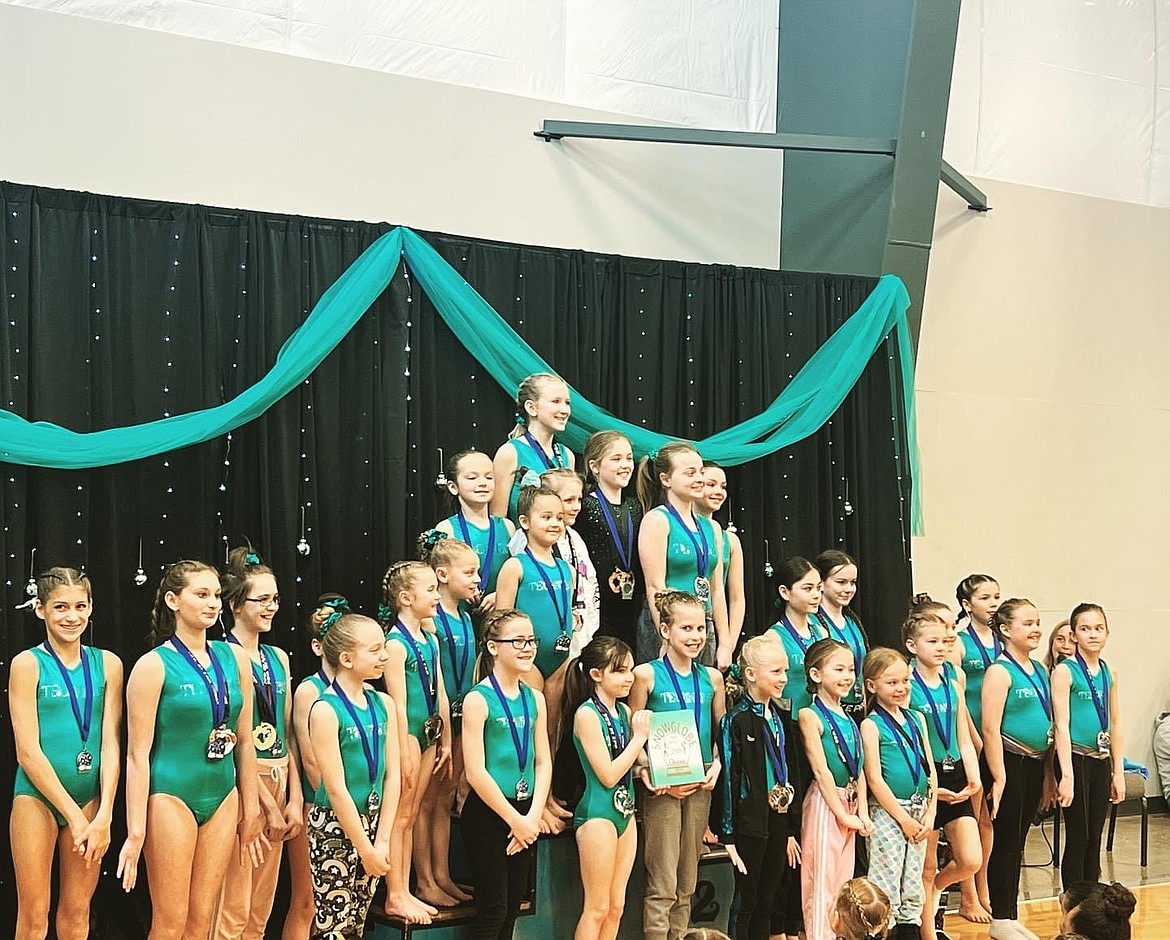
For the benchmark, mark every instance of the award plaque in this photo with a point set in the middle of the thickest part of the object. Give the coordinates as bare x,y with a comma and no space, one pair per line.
676,757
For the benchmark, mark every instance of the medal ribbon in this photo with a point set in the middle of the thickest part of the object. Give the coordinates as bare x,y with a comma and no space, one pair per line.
995,643
369,750
459,666
321,675
84,717
430,692
1100,699
486,561
549,464
944,730
800,641
918,764
625,550
616,738
562,612
774,744
217,691
682,702
264,682
848,634
698,540
849,757
1041,694
521,746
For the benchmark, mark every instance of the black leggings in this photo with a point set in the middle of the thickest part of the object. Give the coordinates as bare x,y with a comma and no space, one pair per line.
502,881
1084,819
766,861
1017,807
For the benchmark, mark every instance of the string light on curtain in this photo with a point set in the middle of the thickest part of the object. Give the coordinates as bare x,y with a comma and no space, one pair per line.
406,370
140,573
30,587
690,357
168,301
441,476
642,313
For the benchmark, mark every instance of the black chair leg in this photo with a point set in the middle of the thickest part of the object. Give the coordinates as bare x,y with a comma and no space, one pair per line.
1112,826
1145,831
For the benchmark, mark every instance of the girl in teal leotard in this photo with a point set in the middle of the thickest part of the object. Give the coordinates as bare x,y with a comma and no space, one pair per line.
609,740
66,706
542,412
730,549
471,480
252,597
410,597
191,765
799,585
456,567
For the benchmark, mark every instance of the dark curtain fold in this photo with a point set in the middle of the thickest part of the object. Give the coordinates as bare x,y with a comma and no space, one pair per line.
118,311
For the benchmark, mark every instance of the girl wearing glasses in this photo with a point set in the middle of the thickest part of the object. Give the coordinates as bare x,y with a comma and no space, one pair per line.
506,758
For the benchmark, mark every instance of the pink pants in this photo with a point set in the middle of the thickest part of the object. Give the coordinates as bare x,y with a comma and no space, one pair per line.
826,862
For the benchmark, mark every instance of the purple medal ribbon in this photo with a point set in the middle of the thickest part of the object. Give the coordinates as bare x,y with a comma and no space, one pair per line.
486,561
449,633
616,738
774,743
549,464
430,693
1045,699
917,765
1100,699
521,746
997,646
698,540
944,730
849,757
369,750
217,691
625,549
795,634
682,702
264,682
562,612
84,717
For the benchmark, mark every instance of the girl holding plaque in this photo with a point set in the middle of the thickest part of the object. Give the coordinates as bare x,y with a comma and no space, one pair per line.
679,549
1017,736
410,594
834,810
506,756
939,698
354,737
609,525
608,739
66,706
191,777
457,570
757,790
1085,705
472,482
250,593
675,817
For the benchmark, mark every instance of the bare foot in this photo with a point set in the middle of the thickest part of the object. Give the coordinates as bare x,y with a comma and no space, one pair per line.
423,906
435,896
404,907
453,890
977,915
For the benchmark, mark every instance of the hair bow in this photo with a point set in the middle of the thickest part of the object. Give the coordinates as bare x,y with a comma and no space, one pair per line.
251,559
433,536
735,671
340,608
386,613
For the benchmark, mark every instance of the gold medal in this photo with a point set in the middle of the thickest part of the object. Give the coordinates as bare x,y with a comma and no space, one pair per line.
264,736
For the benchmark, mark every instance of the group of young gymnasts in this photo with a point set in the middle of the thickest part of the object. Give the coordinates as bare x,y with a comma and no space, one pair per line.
508,678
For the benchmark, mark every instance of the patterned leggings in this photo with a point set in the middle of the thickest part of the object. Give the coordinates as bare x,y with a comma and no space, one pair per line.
895,866
342,889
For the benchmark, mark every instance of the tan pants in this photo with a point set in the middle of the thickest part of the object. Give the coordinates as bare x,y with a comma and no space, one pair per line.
248,892
673,840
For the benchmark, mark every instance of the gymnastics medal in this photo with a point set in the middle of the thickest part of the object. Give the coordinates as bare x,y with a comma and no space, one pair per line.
622,801
222,740
1100,704
457,708
523,791
433,729
914,755
918,806
220,743
627,586
702,553
564,641
373,803
851,792
948,764
780,797
84,761
1050,737
264,736
1104,742
703,589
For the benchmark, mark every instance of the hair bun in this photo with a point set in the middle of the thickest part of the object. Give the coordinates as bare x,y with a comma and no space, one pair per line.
1118,901
923,598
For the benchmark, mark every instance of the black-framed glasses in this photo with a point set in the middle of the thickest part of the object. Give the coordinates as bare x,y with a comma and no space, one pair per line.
519,642
273,601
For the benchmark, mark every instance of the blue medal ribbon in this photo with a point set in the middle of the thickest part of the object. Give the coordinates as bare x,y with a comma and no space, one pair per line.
698,540
917,764
520,745
321,675
795,634
83,716
1100,699
996,643
430,692
944,730
850,755
562,612
264,683
774,744
486,561
370,750
1041,694
449,634
616,737
557,460
849,634
682,702
217,691
625,550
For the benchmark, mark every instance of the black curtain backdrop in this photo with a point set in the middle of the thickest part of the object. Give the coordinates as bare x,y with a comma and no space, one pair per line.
119,311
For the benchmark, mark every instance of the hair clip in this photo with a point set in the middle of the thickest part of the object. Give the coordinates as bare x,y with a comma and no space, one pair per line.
735,671
521,420
251,559
385,613
329,621
433,536
653,455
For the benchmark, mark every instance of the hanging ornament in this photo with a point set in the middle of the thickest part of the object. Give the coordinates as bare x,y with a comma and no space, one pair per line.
441,478
31,587
140,574
303,547
768,569
848,507
730,525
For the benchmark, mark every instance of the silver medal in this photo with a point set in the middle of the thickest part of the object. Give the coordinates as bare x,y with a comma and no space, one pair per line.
220,743
948,765
523,791
627,586
564,641
457,709
433,729
373,803
622,801
703,589
851,792
84,761
1051,736
918,806
1104,742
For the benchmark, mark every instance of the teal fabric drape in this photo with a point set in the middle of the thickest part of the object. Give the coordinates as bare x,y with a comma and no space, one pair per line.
811,398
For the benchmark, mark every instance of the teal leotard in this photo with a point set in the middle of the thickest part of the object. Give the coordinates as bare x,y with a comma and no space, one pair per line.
179,765
833,758
533,463
850,634
59,736
499,749
371,713
1084,724
318,681
598,801
417,710
939,705
1026,725
278,679
796,691
551,617
682,564
725,550
976,659
896,770
456,638
664,698
478,539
